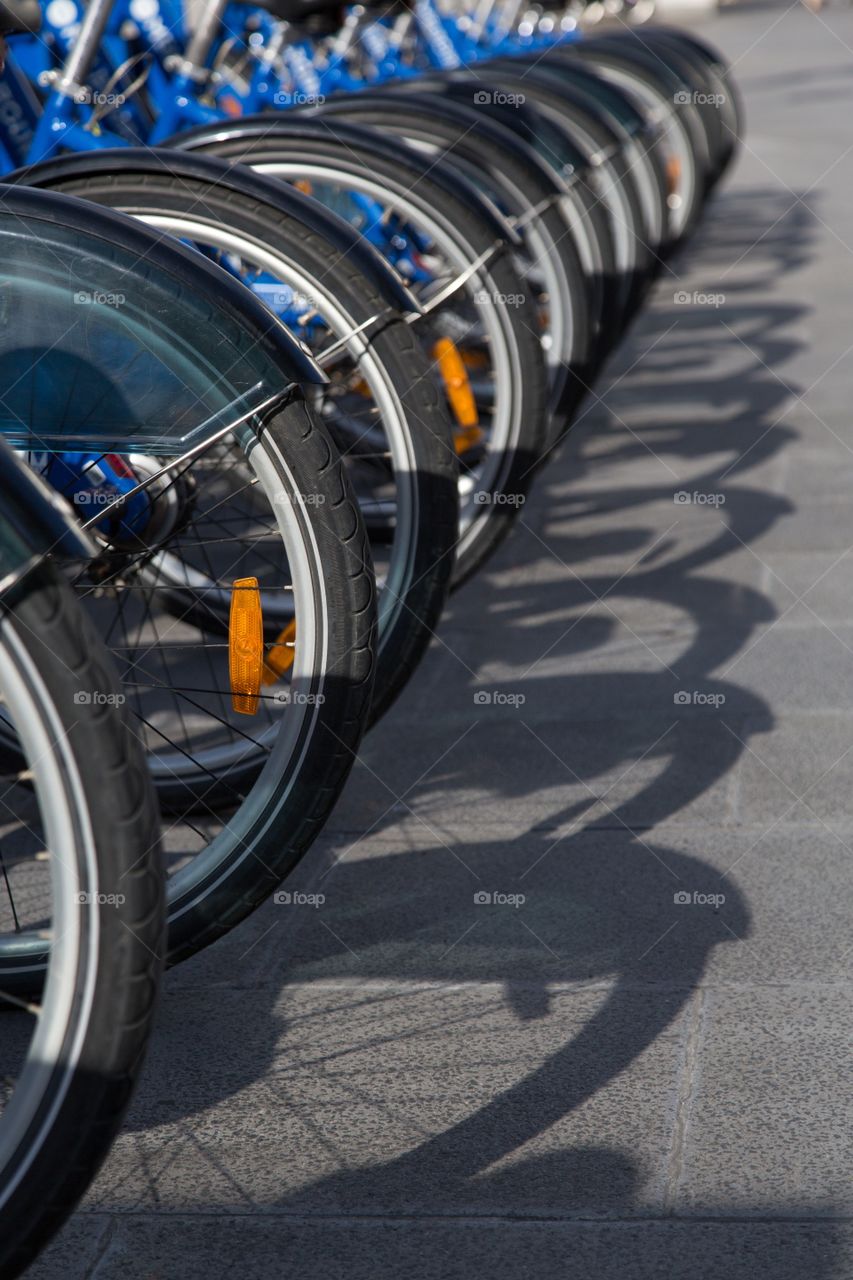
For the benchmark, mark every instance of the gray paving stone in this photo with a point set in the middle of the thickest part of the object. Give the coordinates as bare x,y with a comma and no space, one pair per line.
811,587
798,667
799,771
473,1098
600,904
77,1249
774,1066
511,772
256,1248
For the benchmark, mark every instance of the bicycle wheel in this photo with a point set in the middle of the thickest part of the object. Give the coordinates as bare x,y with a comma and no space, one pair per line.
593,225
701,82
242,795
544,210
249,738
591,222
661,92
720,84
614,174
384,407
477,299
82,901
641,143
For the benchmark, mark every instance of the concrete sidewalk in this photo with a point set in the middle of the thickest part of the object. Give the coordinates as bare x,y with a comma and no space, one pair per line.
643,1069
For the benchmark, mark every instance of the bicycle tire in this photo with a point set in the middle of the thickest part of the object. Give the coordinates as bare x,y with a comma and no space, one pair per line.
54,668
410,606
355,157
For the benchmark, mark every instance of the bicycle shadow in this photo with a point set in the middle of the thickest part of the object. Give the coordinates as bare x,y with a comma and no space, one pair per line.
601,904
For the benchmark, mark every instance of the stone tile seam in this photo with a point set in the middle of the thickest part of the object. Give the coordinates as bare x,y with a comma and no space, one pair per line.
497,987
649,1221
686,1092
104,1242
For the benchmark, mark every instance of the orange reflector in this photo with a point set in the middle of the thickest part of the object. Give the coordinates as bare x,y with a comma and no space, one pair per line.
455,377
245,646
281,655
232,107
465,438
673,175
474,359
305,186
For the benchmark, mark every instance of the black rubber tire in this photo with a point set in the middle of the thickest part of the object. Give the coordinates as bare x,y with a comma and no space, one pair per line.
414,613
555,148
730,110
589,129
125,965
693,72
493,157
352,151
268,841
672,93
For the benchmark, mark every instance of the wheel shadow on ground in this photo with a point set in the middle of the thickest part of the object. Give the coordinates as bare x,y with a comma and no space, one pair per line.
601,889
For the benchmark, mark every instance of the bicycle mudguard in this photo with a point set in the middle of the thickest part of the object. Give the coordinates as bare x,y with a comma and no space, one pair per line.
280,196
117,339
34,522
279,131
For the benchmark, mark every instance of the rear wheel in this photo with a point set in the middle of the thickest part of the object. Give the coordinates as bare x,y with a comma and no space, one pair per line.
383,407
245,781
494,159
661,92
488,315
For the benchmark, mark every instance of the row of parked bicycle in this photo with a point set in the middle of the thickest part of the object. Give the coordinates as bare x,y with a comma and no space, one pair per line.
254,435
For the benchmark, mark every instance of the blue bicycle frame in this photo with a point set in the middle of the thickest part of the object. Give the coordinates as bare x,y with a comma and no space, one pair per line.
82,62
178,75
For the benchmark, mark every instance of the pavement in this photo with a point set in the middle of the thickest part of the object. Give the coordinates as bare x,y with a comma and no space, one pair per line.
633,1059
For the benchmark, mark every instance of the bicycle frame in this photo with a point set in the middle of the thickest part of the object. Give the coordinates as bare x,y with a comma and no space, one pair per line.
285,69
